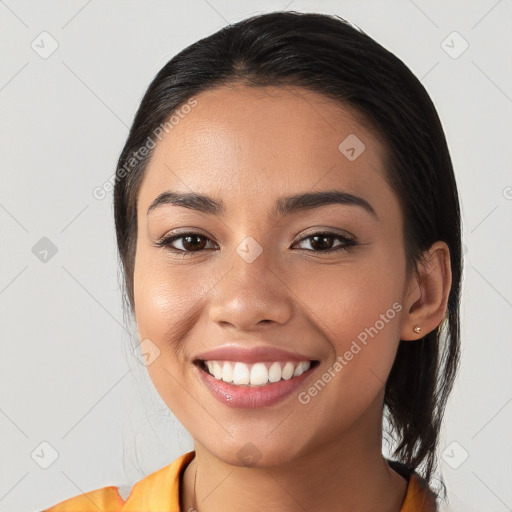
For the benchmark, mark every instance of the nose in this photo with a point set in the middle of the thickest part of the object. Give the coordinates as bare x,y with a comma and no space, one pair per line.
251,295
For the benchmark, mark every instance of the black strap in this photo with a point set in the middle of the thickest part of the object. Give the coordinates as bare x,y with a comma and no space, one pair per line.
401,468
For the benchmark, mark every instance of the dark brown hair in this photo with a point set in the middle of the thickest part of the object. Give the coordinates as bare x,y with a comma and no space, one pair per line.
327,55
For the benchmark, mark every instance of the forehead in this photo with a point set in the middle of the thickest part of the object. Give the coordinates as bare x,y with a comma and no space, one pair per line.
264,141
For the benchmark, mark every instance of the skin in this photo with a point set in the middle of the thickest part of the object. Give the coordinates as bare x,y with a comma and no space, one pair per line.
247,147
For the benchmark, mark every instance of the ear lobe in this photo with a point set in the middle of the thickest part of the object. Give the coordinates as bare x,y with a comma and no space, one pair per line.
428,292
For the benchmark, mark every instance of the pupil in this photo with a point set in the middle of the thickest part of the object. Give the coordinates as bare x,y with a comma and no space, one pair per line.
323,238
197,239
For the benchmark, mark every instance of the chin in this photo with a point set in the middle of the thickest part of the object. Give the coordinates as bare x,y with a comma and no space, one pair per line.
252,453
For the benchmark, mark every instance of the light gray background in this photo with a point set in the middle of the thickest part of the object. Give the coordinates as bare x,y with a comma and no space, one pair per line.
68,375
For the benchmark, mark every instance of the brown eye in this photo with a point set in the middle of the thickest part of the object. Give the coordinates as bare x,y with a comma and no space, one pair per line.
189,242
193,242
196,242
324,242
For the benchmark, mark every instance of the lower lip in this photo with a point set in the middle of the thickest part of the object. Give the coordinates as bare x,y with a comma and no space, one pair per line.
252,397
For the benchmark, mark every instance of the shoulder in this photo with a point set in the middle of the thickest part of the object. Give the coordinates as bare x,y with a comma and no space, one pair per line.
106,499
419,497
157,491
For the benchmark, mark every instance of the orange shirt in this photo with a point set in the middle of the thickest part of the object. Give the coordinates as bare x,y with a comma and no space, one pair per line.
160,491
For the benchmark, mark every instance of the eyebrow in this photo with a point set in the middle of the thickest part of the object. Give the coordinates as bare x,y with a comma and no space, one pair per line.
283,205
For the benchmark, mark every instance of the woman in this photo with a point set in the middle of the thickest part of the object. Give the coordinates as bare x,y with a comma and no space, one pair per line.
288,224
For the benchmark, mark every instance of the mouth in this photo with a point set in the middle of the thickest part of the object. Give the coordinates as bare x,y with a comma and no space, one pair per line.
259,384
238,373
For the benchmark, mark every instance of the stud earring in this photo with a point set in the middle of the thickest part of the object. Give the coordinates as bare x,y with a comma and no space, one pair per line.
416,329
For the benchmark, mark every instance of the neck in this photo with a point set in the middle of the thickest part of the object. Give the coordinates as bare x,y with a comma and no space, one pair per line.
345,473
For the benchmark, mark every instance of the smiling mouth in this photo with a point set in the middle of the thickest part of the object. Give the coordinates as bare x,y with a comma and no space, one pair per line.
257,374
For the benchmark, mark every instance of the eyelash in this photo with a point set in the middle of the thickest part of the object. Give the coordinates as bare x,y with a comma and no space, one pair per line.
347,243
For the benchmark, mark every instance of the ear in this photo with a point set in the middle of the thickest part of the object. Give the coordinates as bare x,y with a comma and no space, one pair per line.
427,293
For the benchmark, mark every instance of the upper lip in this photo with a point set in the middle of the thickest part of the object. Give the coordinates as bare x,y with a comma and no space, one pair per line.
251,355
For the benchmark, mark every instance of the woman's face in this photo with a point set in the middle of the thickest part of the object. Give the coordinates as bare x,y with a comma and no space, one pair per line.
253,275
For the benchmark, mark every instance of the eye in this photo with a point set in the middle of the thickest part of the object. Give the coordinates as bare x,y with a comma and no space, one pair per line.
190,242
196,242
323,242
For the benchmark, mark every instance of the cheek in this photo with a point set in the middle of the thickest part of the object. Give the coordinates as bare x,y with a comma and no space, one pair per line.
348,297
357,309
170,304
165,303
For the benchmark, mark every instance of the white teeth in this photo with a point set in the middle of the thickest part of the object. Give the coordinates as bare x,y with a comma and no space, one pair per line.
217,370
274,372
258,374
227,372
240,373
301,368
288,371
